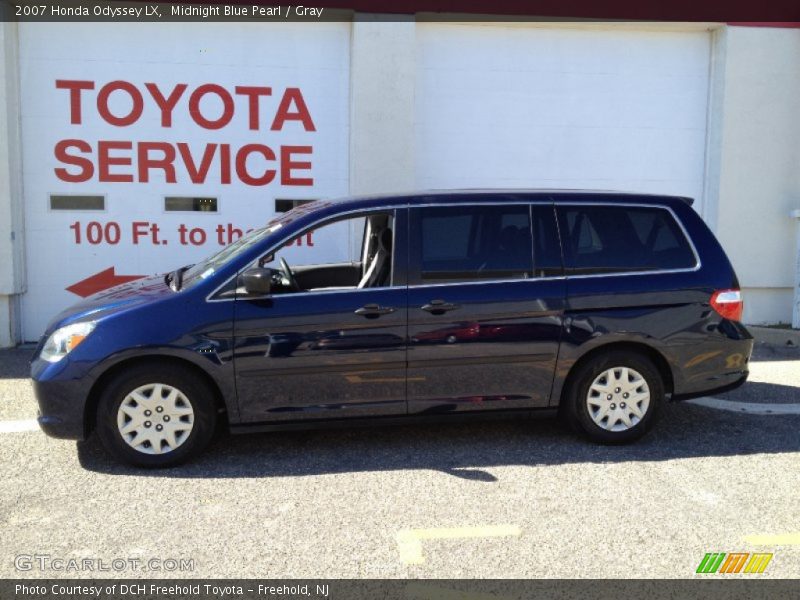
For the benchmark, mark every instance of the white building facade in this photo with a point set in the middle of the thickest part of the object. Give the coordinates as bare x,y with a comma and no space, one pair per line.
150,145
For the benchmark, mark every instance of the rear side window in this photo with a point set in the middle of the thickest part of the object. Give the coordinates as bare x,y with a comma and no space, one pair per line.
468,243
613,239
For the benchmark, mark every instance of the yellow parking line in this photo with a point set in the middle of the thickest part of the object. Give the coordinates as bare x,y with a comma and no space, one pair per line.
409,541
781,539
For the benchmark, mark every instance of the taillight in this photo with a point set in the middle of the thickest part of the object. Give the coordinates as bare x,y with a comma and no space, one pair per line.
728,303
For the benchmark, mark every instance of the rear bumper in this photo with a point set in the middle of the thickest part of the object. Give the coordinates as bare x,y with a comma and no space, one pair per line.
713,367
738,381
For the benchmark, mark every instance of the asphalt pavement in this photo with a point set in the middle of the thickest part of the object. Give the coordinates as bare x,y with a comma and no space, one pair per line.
504,499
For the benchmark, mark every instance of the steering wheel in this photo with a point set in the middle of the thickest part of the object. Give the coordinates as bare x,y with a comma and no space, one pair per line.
287,273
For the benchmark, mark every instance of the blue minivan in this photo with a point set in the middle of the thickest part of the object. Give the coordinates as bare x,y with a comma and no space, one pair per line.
600,306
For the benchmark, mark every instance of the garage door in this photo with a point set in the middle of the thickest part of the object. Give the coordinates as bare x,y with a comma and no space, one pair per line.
540,106
148,147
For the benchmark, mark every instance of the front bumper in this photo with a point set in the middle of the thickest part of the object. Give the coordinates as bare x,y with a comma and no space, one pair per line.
62,402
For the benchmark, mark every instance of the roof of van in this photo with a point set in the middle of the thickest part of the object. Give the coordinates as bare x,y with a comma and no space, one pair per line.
433,197
468,194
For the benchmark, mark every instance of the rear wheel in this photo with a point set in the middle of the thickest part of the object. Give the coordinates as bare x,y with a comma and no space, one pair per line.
156,416
614,397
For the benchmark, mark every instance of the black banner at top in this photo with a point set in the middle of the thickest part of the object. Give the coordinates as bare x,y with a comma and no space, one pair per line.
783,13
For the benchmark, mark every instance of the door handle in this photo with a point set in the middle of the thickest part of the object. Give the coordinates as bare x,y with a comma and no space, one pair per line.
373,311
439,307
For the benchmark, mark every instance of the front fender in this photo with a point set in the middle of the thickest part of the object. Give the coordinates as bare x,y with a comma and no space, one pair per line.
211,358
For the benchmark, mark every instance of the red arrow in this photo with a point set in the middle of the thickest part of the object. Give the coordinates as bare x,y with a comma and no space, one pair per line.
99,282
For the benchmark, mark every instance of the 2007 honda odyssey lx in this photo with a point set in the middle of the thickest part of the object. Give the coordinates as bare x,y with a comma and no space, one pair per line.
601,305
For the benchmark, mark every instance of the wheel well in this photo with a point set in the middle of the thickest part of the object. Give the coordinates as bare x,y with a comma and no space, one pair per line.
651,353
90,414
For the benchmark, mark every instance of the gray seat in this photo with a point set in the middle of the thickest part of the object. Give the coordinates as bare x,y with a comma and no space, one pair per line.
379,265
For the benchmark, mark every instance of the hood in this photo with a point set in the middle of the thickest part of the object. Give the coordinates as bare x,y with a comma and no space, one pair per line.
118,298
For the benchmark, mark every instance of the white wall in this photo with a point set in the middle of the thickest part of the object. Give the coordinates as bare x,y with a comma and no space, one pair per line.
595,107
12,276
758,162
382,105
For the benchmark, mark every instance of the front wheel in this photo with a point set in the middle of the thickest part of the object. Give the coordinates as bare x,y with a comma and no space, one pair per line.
156,416
614,397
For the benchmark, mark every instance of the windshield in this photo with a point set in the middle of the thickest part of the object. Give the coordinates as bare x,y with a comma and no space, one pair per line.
213,263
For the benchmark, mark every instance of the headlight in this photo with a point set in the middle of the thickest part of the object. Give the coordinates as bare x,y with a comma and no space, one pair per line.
64,340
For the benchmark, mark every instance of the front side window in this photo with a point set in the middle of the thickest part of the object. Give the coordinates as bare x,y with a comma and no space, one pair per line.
469,243
350,253
612,239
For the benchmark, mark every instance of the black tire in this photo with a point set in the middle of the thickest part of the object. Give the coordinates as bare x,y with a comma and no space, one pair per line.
576,409
192,386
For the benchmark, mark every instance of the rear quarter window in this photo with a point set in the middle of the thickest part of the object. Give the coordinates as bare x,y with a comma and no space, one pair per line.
618,239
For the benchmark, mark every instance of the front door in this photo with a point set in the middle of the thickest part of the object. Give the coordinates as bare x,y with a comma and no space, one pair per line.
486,301
332,351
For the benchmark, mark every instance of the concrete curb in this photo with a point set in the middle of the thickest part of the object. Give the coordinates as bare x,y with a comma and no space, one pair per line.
775,336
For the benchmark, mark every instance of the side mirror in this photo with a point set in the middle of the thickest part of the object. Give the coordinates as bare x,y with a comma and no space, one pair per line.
257,281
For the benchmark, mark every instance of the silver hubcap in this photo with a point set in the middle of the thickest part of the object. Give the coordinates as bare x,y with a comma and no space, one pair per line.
155,418
618,399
